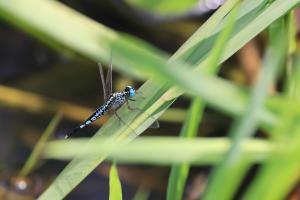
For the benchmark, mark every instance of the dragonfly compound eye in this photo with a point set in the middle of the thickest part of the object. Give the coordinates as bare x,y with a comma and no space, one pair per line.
130,90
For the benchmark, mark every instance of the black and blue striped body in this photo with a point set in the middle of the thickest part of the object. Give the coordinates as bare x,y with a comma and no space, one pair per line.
113,102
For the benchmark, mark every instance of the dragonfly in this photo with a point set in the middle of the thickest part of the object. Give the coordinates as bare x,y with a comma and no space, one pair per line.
112,101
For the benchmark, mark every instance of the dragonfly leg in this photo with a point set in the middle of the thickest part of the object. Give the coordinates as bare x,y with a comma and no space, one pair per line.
121,120
155,123
132,108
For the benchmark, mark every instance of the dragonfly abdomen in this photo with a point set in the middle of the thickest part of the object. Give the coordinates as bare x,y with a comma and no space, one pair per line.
114,101
99,112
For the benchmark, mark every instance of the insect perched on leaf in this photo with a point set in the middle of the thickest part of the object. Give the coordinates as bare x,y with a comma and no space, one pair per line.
112,101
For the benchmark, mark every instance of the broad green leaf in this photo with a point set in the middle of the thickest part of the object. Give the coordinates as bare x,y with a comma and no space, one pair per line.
115,189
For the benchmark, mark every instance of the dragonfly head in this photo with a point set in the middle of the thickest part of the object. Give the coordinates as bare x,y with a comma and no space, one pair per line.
130,90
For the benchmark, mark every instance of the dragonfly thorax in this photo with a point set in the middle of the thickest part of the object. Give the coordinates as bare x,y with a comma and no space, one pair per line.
115,100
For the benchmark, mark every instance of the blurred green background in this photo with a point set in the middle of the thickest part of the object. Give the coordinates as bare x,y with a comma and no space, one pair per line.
222,81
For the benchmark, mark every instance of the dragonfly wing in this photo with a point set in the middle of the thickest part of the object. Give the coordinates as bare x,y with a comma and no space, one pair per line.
108,82
155,124
105,94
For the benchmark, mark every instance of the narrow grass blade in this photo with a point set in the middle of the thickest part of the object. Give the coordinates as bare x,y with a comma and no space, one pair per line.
236,164
284,159
142,194
204,41
282,167
115,189
39,147
179,173
204,32
164,7
292,32
293,82
262,21
158,150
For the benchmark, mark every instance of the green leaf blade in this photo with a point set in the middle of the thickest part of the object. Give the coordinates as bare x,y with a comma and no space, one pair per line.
179,173
115,189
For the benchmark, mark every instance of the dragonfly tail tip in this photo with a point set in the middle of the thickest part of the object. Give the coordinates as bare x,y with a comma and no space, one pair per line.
68,135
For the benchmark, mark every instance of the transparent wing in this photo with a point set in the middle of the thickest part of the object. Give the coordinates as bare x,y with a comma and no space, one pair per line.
105,94
108,83
155,124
